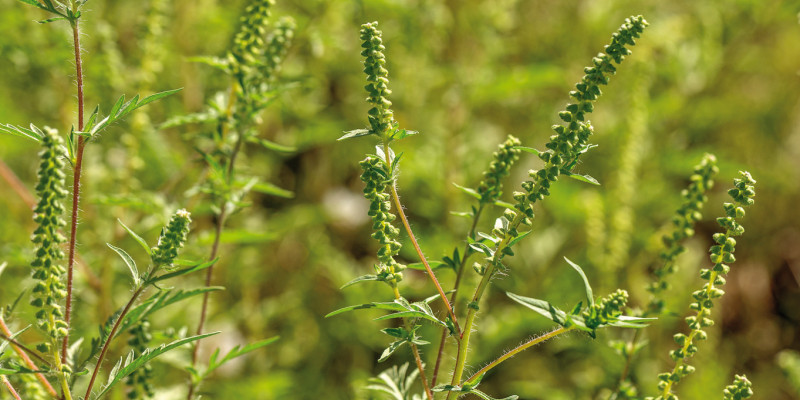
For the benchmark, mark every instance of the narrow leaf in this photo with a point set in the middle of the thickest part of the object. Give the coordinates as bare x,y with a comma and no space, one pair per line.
355,133
528,150
589,295
135,237
469,191
360,279
272,189
158,96
20,131
583,178
129,262
518,238
270,145
433,264
132,364
180,272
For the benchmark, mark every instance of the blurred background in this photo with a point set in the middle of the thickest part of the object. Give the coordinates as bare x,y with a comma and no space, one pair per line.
707,76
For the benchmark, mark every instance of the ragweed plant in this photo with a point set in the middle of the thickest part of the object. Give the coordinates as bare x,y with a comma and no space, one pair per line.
380,171
721,256
252,62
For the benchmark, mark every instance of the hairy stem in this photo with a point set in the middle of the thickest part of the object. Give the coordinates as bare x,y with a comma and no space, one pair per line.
519,349
25,358
417,358
453,296
33,353
76,186
9,387
110,338
413,238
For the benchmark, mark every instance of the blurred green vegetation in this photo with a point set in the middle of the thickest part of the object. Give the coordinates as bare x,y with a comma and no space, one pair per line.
707,76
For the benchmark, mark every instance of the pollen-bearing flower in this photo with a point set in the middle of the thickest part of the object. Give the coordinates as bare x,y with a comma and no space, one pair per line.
172,238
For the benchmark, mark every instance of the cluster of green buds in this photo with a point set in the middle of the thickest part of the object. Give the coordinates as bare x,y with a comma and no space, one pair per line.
381,117
606,310
740,389
491,187
694,197
278,46
172,238
50,290
377,180
721,256
571,138
248,44
139,380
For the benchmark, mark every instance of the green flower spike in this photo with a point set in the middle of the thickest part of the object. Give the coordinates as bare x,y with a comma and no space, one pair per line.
606,311
491,187
248,44
139,380
381,118
741,389
377,181
172,238
50,290
279,43
721,256
571,138
694,197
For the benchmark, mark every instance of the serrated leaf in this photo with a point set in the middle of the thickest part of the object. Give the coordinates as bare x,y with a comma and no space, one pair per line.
587,286
121,109
21,132
129,262
272,189
472,192
433,264
270,145
180,272
582,178
136,237
122,370
363,278
528,150
518,238
355,133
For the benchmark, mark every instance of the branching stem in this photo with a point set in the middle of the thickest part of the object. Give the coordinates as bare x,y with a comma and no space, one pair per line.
25,358
110,338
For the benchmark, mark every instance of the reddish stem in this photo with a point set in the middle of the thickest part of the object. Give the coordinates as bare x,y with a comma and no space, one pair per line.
76,188
24,356
10,388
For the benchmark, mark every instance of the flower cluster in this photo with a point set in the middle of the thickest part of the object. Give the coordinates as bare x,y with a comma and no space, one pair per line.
50,290
694,197
172,238
376,180
571,138
248,44
606,310
739,390
279,43
721,256
381,118
139,380
502,160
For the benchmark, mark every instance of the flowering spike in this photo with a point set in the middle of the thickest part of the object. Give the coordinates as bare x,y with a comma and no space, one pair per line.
740,389
381,117
375,178
502,160
172,238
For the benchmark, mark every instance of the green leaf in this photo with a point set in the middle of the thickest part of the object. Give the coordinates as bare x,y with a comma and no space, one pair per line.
180,272
161,300
34,133
403,133
504,204
433,264
136,237
270,145
355,133
121,109
158,96
125,367
129,262
47,21
560,317
272,189
401,307
589,295
237,351
391,349
362,278
215,62
518,238
240,236
528,150
582,178
472,192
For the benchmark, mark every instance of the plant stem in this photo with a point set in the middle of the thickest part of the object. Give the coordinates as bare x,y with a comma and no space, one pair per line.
21,353
415,351
413,238
26,349
459,275
9,387
463,345
110,338
76,186
220,223
518,349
